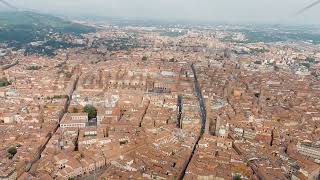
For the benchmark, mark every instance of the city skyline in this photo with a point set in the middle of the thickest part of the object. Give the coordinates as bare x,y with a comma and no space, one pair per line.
131,97
246,11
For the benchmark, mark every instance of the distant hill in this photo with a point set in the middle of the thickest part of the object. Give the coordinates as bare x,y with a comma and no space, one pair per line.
19,29
26,27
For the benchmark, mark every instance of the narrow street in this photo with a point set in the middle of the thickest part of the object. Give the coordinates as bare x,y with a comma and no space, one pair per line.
202,105
203,112
56,128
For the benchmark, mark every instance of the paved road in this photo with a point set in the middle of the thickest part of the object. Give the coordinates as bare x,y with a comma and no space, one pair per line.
203,111
200,99
55,130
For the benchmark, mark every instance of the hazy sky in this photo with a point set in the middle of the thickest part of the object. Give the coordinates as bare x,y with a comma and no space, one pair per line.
274,11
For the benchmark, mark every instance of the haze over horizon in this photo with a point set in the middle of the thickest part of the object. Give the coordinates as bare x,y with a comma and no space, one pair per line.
231,11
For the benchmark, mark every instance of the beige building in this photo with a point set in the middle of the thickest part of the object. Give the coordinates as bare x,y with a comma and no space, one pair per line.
78,120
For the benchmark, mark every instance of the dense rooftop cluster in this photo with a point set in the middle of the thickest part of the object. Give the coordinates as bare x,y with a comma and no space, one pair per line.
135,103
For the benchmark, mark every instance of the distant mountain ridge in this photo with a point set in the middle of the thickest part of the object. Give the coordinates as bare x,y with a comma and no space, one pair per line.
26,27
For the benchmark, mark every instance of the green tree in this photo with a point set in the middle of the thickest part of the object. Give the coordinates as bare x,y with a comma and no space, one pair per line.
12,151
237,177
91,110
4,82
311,60
68,74
307,65
144,58
75,110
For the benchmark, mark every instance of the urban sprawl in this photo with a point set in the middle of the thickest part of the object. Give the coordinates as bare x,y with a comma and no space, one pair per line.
137,103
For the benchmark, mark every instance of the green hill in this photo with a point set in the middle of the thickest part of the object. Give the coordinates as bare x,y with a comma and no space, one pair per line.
19,29
25,27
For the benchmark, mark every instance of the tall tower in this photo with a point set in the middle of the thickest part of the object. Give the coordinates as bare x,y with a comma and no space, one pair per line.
209,118
217,127
179,111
